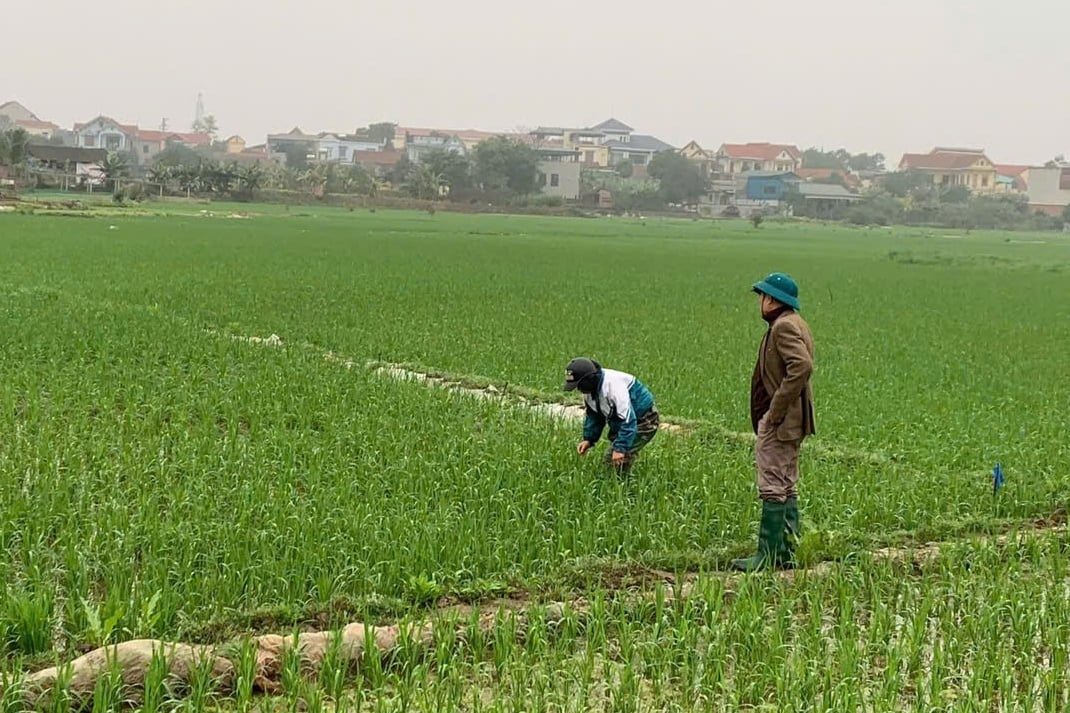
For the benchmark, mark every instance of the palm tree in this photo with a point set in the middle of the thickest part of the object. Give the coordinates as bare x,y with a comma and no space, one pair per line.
114,167
216,177
188,177
291,178
358,180
424,183
250,179
162,174
206,125
316,179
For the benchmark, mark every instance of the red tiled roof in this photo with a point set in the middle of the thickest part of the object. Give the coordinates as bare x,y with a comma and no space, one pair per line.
35,124
377,158
149,135
946,159
809,174
1017,173
1006,169
760,151
127,128
196,139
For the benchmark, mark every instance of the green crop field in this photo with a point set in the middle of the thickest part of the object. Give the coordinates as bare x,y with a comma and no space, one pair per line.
164,476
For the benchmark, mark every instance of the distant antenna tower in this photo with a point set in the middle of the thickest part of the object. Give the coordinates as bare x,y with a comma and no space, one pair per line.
163,124
199,114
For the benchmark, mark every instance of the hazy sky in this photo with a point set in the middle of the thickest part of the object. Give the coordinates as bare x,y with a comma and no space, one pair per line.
869,75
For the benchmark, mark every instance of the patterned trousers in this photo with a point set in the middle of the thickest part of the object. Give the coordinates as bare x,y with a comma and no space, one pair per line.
646,429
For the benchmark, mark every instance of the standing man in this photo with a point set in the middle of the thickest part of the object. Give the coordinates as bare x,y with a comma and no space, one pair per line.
782,415
618,400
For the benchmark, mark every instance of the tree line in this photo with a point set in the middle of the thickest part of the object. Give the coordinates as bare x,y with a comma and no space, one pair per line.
501,169
912,198
498,167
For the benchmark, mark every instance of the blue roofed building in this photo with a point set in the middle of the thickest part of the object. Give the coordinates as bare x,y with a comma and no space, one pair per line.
776,191
768,185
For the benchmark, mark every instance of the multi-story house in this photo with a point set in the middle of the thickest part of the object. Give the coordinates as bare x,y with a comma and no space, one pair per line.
949,167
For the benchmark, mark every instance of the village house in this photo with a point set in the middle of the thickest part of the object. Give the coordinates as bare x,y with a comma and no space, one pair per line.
948,167
704,159
766,191
233,145
559,173
469,138
378,163
419,146
1049,190
15,112
735,159
36,127
834,176
105,133
324,146
825,199
764,188
144,145
148,144
590,143
234,150
607,144
340,147
626,145
25,119
70,165
1012,178
720,197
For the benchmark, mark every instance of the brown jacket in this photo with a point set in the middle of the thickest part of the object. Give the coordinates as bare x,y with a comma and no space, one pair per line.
785,362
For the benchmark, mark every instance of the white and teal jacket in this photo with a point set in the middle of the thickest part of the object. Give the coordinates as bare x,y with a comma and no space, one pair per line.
620,401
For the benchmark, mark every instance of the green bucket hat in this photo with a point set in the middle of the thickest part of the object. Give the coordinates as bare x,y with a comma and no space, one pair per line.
781,288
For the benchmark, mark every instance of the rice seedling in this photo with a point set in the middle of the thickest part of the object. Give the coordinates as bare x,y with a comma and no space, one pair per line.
161,479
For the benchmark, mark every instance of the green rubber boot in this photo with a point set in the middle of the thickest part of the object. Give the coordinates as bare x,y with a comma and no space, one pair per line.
792,533
770,539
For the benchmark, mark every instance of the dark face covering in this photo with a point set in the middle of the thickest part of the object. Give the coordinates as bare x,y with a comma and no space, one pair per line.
775,310
772,316
588,384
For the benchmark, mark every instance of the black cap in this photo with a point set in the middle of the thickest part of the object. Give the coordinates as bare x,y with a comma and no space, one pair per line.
579,369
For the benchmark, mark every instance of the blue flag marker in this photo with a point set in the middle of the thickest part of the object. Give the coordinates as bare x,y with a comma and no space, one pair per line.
997,478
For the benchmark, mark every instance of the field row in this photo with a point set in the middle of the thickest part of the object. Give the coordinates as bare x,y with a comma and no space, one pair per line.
927,348
177,483
978,627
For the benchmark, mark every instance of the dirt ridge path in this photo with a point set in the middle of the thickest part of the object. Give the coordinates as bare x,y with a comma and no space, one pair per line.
263,658
539,402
